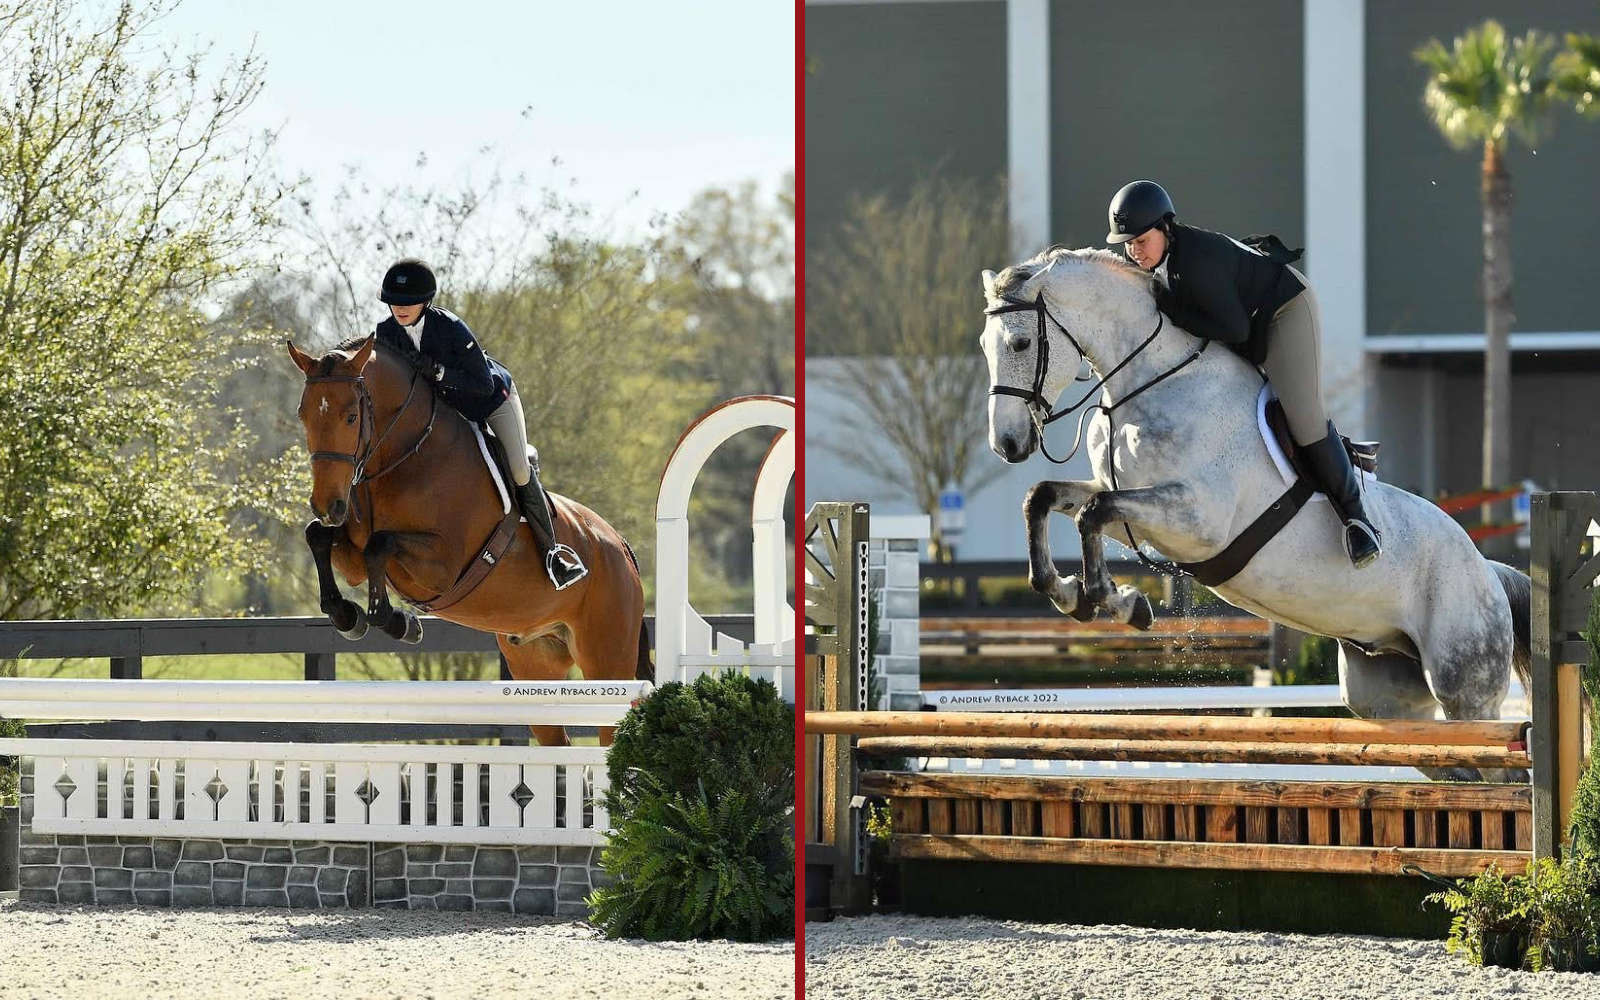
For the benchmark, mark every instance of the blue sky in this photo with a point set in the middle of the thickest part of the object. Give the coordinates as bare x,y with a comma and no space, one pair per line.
663,98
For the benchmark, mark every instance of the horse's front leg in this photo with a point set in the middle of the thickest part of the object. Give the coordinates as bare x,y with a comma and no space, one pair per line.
397,623
1163,506
1065,592
345,615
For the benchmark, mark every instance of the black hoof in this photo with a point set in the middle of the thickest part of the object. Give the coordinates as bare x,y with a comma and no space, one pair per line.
1086,611
1143,615
348,621
413,632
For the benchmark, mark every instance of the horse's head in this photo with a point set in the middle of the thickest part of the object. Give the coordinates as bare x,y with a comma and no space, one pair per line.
1046,316
336,409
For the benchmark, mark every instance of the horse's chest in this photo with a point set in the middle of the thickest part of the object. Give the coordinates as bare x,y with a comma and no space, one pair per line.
1119,447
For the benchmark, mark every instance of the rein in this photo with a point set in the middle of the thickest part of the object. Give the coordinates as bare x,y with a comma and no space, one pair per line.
366,447
1038,405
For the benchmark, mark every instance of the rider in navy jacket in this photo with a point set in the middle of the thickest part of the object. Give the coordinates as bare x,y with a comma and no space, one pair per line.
463,375
445,350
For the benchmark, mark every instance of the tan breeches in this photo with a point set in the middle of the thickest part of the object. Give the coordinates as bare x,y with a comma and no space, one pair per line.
1294,364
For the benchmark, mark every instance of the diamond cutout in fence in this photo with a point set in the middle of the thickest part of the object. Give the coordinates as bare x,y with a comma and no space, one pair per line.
367,792
216,788
66,786
522,795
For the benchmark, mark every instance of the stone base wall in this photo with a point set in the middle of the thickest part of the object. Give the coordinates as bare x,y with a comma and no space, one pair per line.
548,881
159,871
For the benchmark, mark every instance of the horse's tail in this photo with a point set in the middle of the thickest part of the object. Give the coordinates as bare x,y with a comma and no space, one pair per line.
646,668
1519,591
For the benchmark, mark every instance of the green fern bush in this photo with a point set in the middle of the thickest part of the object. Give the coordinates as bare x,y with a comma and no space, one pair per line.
702,805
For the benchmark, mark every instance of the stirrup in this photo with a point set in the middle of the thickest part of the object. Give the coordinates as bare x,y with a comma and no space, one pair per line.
1370,532
573,568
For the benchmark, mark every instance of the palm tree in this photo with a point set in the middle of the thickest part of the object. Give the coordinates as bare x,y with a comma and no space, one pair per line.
1578,74
1486,89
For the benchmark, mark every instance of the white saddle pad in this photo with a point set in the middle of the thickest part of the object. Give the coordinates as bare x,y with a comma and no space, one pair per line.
494,473
1278,457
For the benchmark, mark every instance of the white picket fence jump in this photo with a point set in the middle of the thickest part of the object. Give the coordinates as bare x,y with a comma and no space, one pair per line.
399,793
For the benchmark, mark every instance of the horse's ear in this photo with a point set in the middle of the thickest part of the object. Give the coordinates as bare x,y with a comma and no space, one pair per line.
988,283
1033,287
359,359
302,360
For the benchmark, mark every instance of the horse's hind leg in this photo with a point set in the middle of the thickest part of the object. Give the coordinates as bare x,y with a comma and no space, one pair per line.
1470,674
546,658
1391,686
607,651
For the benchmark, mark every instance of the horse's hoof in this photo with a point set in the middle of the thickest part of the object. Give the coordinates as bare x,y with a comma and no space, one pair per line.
357,628
1086,612
1143,615
1066,593
413,634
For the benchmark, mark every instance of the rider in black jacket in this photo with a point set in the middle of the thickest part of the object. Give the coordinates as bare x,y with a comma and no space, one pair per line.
479,387
1249,298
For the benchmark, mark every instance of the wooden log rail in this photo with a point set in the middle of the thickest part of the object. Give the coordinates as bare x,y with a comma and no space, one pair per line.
1497,735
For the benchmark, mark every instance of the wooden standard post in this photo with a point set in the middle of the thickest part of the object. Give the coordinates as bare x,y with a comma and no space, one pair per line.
837,601
1563,578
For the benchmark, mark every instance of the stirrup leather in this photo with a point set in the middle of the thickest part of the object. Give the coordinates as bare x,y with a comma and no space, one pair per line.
573,565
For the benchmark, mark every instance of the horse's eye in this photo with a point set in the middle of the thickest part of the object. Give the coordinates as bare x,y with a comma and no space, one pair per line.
350,419
1021,344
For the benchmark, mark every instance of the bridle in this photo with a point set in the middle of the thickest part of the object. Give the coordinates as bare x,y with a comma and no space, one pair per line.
366,446
1039,407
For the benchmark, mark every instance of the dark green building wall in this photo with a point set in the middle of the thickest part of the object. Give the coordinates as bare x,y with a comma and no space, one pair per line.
1206,98
895,91
1424,222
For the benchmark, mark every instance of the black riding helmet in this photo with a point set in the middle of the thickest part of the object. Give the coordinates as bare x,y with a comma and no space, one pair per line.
407,282
1136,209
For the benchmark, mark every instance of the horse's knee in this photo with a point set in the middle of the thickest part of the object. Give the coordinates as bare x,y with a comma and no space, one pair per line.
1038,502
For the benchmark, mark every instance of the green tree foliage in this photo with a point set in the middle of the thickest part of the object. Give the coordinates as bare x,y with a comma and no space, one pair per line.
1577,70
126,198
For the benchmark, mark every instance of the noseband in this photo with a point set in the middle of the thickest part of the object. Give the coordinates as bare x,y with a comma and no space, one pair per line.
366,446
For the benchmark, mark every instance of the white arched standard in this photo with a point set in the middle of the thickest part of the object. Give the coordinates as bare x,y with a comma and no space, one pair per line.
686,645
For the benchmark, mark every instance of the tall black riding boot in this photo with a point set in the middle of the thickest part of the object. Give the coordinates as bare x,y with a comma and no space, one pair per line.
1335,476
564,566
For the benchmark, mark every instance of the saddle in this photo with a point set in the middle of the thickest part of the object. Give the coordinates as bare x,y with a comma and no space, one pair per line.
499,540
1363,454
1225,565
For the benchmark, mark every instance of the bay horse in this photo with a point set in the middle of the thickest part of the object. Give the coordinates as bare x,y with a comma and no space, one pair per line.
1179,462
403,498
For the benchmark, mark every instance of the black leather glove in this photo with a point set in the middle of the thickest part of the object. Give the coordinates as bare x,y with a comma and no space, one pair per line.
438,372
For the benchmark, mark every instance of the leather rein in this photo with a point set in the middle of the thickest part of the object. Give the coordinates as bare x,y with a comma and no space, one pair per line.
366,446
1039,407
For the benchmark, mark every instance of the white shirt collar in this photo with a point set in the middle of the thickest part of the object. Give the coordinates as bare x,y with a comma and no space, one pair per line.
414,331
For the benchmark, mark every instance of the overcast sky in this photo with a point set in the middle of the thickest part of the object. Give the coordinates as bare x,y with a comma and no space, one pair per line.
662,98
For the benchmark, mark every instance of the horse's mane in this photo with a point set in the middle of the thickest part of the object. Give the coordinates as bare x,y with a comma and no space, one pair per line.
1017,275
341,351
